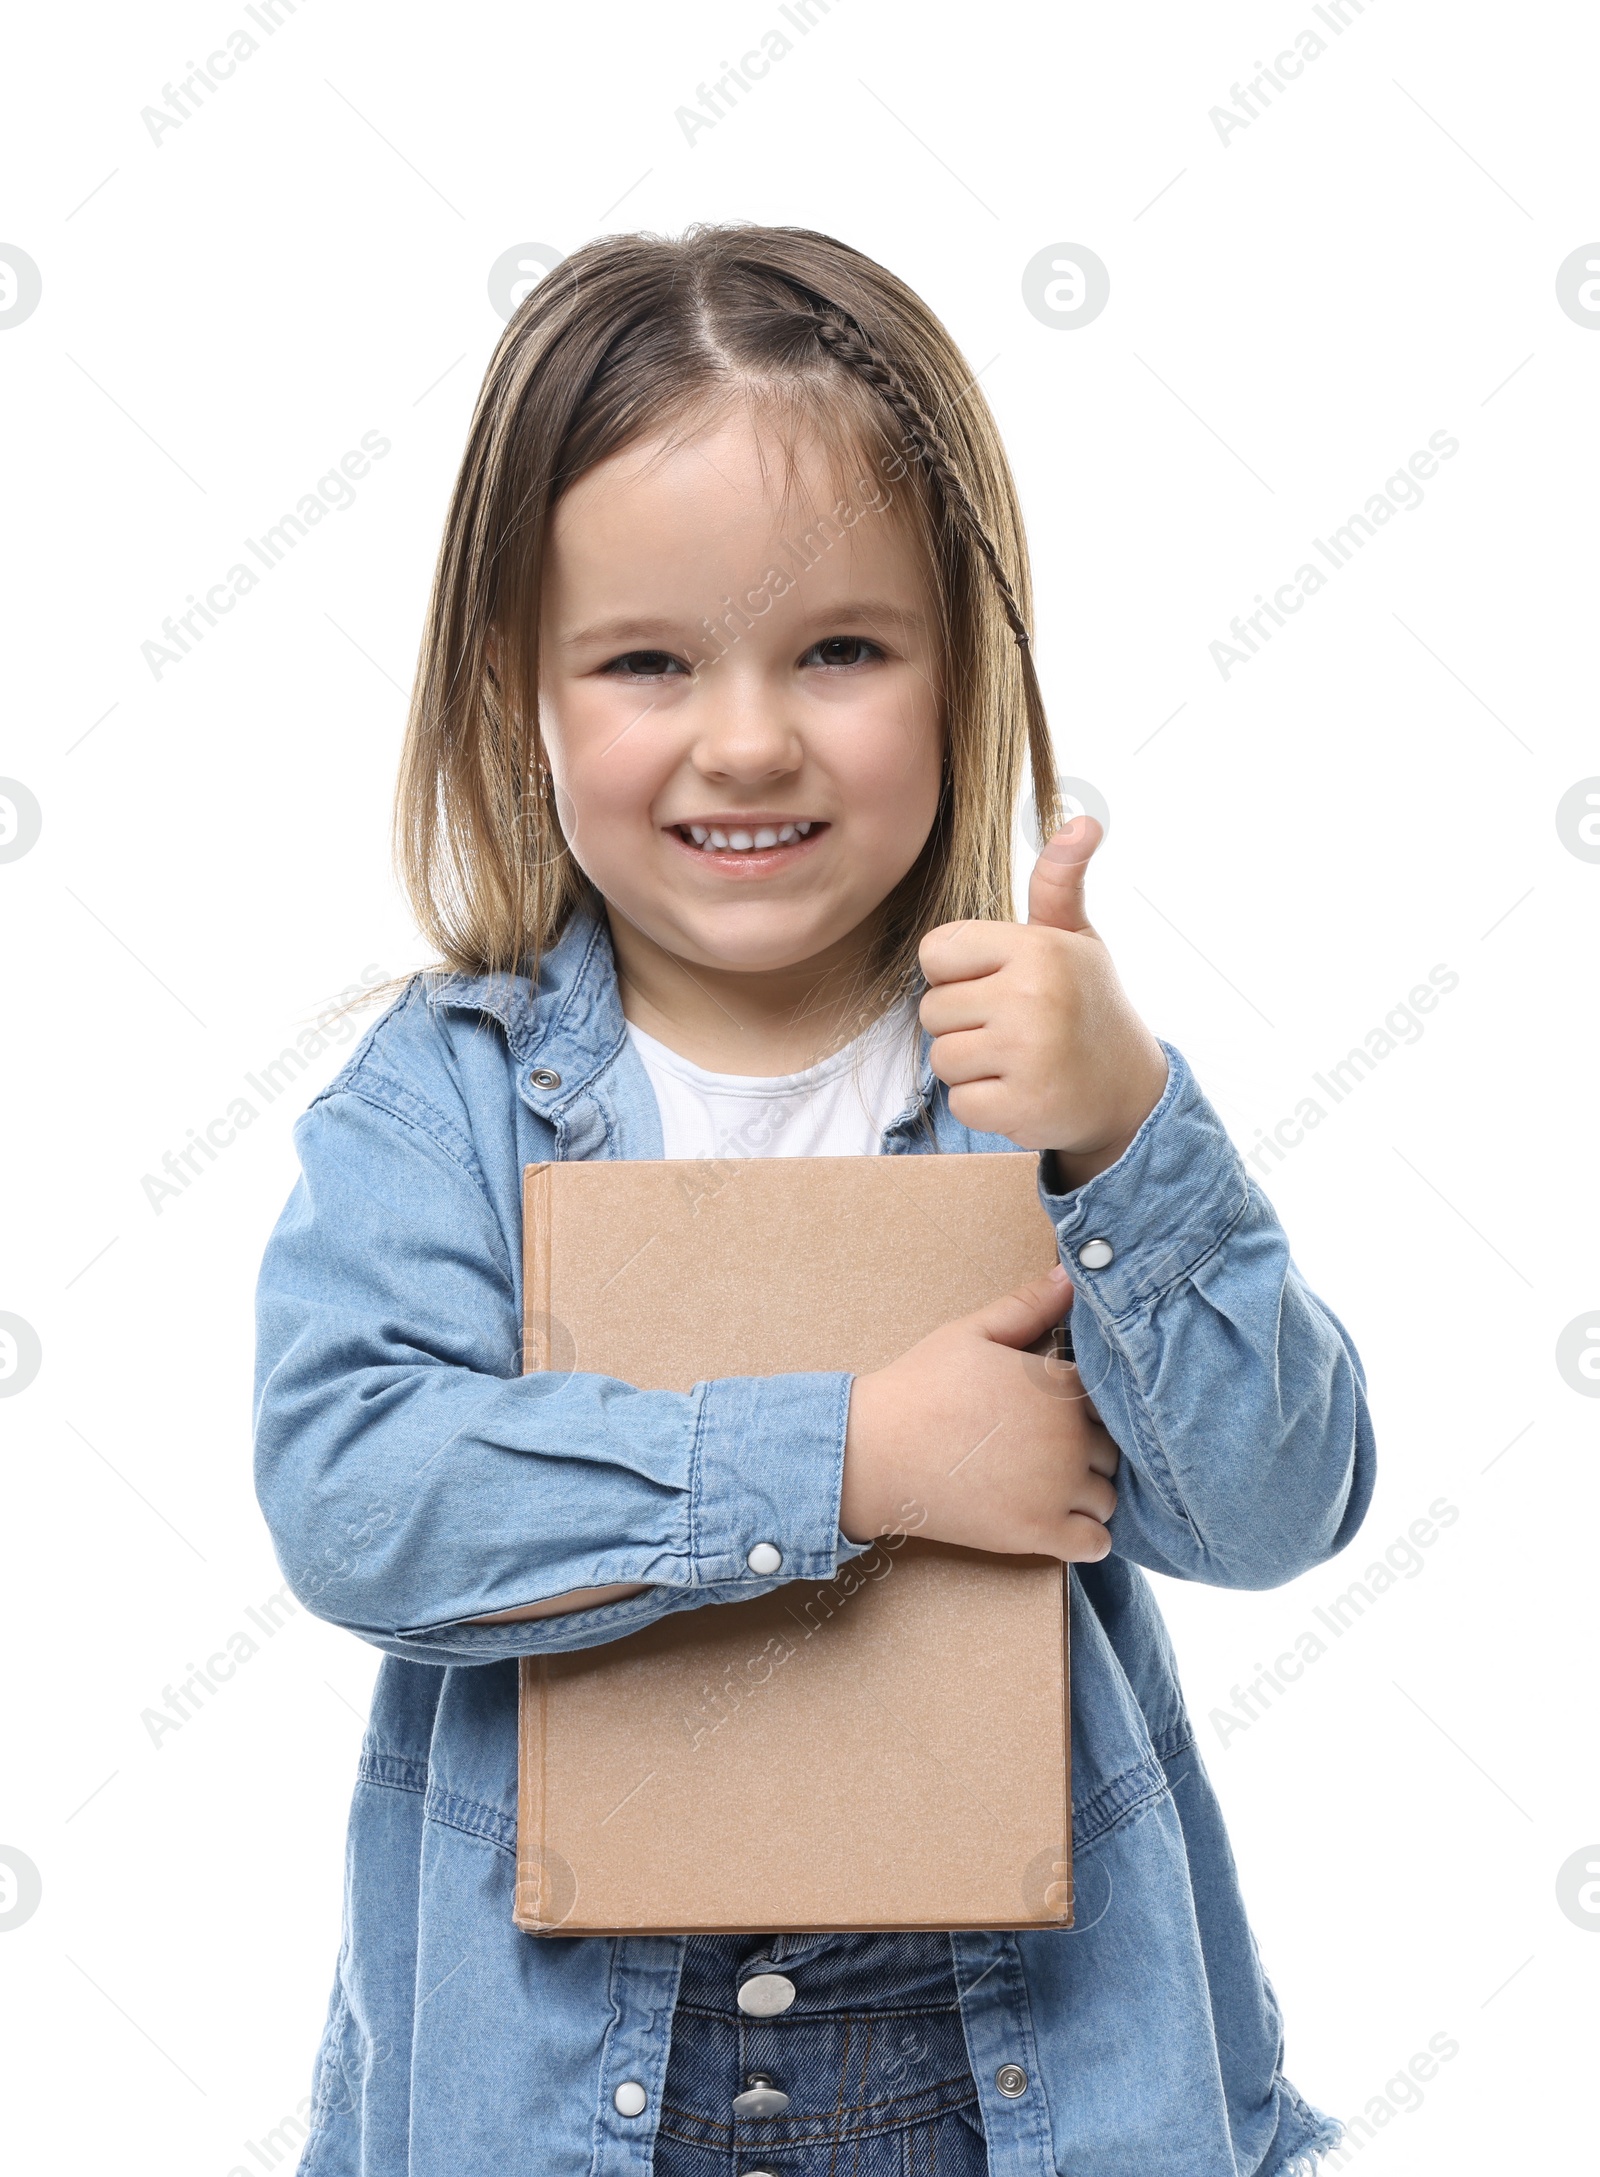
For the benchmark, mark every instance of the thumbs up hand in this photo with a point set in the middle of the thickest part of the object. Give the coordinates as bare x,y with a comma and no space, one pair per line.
1032,1031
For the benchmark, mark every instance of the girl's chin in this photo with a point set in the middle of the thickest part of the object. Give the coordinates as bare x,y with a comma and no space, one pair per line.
747,937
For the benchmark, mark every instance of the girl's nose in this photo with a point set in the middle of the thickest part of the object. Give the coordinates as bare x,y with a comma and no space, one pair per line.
744,731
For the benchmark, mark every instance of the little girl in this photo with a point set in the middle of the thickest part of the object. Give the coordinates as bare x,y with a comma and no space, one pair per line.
724,707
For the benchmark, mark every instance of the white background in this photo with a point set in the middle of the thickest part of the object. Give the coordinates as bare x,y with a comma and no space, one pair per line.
1291,315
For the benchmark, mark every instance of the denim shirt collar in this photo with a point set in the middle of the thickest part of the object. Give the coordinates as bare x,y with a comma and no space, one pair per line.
570,1031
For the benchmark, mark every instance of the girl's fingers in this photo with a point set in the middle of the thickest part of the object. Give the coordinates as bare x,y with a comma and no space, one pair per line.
964,1054
1082,1541
949,1006
1104,1457
1096,1497
957,950
988,1106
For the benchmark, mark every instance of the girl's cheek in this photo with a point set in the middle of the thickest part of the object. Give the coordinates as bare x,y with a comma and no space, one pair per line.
611,799
896,751
607,748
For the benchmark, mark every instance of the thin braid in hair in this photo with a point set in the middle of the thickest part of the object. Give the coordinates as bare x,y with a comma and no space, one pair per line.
852,346
849,343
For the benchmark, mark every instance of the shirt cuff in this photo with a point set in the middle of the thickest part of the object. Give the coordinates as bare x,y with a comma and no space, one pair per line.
768,1468
1177,1190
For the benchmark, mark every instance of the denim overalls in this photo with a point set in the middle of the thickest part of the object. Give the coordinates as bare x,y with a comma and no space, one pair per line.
819,2056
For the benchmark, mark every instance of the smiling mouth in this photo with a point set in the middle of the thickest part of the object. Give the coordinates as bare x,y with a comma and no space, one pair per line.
748,841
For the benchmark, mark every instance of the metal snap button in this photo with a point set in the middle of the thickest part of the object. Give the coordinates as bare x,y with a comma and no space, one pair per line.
544,1077
764,1558
766,1995
1012,2080
1095,1254
760,2098
631,2099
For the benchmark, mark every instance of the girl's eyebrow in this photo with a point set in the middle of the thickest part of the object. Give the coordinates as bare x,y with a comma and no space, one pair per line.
872,608
622,628
633,628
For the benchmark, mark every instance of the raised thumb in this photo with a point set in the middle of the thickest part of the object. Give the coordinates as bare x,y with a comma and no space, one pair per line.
1055,890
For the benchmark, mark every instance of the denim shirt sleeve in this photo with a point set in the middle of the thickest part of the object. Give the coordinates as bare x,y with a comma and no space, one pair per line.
1234,1394
412,1478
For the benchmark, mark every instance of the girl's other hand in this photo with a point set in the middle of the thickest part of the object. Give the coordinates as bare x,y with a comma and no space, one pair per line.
1032,1030
998,1448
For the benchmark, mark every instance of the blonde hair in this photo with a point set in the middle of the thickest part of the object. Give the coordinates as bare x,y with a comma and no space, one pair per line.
627,337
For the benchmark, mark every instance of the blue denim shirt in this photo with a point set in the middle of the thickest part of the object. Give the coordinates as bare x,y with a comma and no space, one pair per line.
414,1479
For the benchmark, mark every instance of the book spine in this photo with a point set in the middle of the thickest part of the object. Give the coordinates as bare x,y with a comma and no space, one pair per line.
1069,1885
528,1911
536,1219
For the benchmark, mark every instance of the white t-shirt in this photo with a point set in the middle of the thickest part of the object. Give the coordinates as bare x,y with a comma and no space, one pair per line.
838,1108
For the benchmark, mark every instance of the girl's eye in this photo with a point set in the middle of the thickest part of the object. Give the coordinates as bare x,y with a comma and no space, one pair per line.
842,650
644,665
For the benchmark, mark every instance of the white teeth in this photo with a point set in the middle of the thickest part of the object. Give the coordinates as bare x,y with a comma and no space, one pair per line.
744,842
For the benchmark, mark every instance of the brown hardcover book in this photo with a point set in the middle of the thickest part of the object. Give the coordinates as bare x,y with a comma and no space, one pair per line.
888,1749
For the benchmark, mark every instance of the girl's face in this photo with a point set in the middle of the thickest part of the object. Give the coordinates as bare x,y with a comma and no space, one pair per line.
739,698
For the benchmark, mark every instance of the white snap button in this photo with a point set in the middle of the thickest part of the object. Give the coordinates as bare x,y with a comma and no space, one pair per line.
631,2099
1095,1254
764,1558
766,1995
1012,2080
